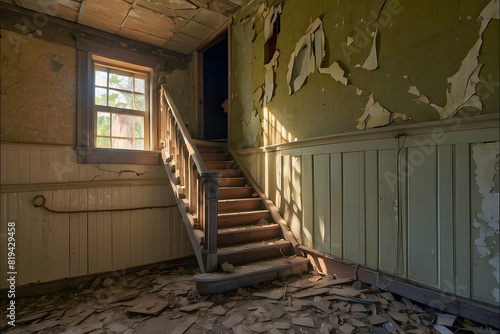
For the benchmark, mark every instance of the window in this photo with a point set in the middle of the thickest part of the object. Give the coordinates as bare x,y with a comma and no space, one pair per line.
121,106
117,108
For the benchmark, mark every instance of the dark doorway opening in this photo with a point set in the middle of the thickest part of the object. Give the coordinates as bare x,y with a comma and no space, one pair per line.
215,90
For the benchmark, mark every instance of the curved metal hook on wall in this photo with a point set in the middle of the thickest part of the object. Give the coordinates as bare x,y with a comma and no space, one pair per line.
44,206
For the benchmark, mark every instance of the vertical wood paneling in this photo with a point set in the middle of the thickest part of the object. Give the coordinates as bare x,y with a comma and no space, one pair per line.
388,215
354,207
462,220
35,166
136,251
125,226
46,166
321,203
278,197
105,231
156,239
23,166
422,215
60,247
371,208
146,226
4,161
296,204
307,199
336,196
12,166
445,217
47,240
4,201
115,230
35,230
23,242
286,182
74,233
162,232
93,254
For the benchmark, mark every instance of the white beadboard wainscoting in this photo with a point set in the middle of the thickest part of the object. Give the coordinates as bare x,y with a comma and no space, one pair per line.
437,226
51,246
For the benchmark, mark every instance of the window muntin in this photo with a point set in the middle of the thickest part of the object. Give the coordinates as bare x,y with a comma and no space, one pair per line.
121,107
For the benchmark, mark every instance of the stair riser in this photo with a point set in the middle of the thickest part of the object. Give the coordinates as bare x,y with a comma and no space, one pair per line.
229,172
242,220
252,255
236,237
232,193
208,150
215,157
231,182
228,283
211,165
238,206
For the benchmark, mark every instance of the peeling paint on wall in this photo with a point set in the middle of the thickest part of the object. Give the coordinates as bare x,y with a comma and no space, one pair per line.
305,57
269,77
336,72
486,158
371,62
462,91
270,19
38,98
375,115
387,38
180,90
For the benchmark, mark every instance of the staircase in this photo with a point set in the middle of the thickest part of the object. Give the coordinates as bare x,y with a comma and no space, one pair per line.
236,232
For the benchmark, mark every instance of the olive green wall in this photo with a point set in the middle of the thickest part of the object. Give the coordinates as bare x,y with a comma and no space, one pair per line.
419,43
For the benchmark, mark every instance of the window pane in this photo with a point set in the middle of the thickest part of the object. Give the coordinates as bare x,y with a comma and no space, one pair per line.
101,76
121,80
140,85
140,103
123,125
139,127
100,97
103,124
120,99
139,144
123,143
103,142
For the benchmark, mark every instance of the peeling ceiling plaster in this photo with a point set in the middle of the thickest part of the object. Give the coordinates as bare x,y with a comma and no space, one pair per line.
177,25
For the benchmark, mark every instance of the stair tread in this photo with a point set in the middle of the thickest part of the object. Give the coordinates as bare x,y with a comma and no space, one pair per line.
248,228
253,268
242,213
239,199
271,243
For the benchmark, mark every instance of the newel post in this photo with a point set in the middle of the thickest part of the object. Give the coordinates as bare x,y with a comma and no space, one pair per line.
210,181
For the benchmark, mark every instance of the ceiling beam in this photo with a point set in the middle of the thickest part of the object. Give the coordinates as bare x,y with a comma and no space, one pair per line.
80,12
128,13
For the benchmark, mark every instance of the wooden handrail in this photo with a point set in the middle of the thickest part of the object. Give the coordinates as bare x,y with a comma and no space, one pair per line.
190,179
191,147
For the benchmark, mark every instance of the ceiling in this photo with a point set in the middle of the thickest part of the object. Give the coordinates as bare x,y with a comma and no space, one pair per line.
178,25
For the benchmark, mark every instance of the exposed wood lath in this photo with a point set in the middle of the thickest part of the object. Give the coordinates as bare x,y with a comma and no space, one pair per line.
179,25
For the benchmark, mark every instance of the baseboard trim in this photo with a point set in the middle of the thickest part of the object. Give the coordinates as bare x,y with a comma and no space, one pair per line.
40,289
440,300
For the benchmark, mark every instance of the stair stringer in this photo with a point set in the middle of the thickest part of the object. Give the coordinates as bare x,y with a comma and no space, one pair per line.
273,210
187,218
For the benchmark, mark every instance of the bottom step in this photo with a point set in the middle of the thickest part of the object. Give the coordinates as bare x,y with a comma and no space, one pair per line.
250,274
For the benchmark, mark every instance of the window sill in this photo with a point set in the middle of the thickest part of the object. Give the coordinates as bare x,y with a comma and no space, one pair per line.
90,155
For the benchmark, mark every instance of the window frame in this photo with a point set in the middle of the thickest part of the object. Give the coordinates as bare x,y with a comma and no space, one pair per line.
87,152
110,64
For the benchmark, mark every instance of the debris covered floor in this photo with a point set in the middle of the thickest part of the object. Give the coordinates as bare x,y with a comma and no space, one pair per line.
164,300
